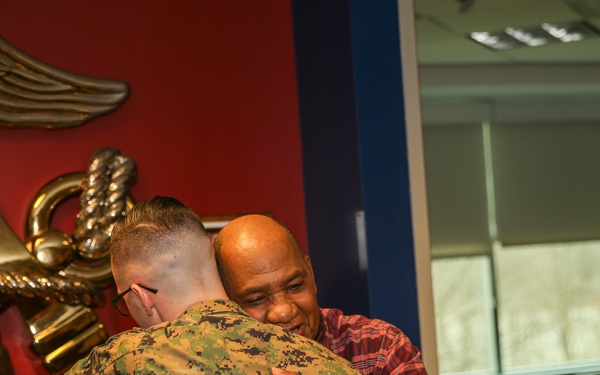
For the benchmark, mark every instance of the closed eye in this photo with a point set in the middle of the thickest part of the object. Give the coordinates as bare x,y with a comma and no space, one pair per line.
254,301
294,287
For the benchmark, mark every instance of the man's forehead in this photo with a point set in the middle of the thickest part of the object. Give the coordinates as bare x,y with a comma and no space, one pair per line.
278,261
251,245
269,258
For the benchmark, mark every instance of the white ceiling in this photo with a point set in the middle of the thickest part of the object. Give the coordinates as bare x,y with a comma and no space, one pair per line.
452,65
442,30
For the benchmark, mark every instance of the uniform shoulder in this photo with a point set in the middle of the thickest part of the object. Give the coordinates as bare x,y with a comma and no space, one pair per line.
105,355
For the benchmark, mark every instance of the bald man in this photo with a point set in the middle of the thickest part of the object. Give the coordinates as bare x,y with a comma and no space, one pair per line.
164,267
264,270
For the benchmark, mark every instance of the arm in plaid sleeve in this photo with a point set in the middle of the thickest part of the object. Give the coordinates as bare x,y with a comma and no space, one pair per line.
373,346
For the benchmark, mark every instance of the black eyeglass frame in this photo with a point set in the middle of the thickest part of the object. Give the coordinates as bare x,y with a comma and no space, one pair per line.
116,298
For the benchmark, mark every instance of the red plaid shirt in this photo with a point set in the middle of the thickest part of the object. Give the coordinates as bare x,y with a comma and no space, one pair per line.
373,346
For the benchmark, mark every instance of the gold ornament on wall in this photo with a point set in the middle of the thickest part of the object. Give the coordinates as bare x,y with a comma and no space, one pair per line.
55,278
62,325
104,197
54,282
35,94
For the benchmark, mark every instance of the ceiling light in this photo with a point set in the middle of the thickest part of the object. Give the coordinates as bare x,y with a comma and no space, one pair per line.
513,37
532,37
568,32
497,41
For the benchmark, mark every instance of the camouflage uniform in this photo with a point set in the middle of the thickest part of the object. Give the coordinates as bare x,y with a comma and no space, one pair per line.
214,337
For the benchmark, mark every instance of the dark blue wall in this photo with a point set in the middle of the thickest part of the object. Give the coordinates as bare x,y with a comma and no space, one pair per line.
355,156
384,163
330,151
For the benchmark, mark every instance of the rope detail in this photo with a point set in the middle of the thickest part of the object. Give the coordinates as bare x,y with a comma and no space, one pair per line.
103,201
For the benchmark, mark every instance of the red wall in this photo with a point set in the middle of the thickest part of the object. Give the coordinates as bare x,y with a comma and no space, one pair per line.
212,118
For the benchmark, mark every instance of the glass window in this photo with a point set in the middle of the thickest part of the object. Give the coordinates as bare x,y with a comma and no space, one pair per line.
548,310
549,305
464,315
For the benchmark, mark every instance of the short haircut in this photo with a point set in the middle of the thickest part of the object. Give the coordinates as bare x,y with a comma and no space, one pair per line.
148,225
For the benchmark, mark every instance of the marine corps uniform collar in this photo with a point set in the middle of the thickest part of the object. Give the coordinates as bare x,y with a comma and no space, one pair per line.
215,307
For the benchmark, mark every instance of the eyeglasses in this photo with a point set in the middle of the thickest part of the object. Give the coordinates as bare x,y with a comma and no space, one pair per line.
120,303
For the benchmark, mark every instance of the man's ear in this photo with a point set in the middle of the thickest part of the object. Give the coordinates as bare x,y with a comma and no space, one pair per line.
312,274
307,260
145,297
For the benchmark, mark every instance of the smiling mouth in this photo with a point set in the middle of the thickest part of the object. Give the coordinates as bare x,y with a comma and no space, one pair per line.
298,330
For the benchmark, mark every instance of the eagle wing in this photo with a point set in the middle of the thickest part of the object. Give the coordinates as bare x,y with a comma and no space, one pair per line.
34,94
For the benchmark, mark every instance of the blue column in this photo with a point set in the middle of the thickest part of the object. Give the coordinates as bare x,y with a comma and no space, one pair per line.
330,151
384,163
355,156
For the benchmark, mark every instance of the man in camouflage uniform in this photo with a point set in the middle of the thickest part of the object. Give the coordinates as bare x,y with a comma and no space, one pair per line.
165,270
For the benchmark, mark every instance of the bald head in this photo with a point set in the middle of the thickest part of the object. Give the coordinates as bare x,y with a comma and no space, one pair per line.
266,273
247,237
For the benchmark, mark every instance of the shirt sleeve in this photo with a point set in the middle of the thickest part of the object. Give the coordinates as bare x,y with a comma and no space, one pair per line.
400,356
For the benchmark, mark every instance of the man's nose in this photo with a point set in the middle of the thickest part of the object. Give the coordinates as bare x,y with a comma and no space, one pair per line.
282,311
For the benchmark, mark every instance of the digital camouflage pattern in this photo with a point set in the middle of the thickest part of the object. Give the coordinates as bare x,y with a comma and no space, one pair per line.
213,337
